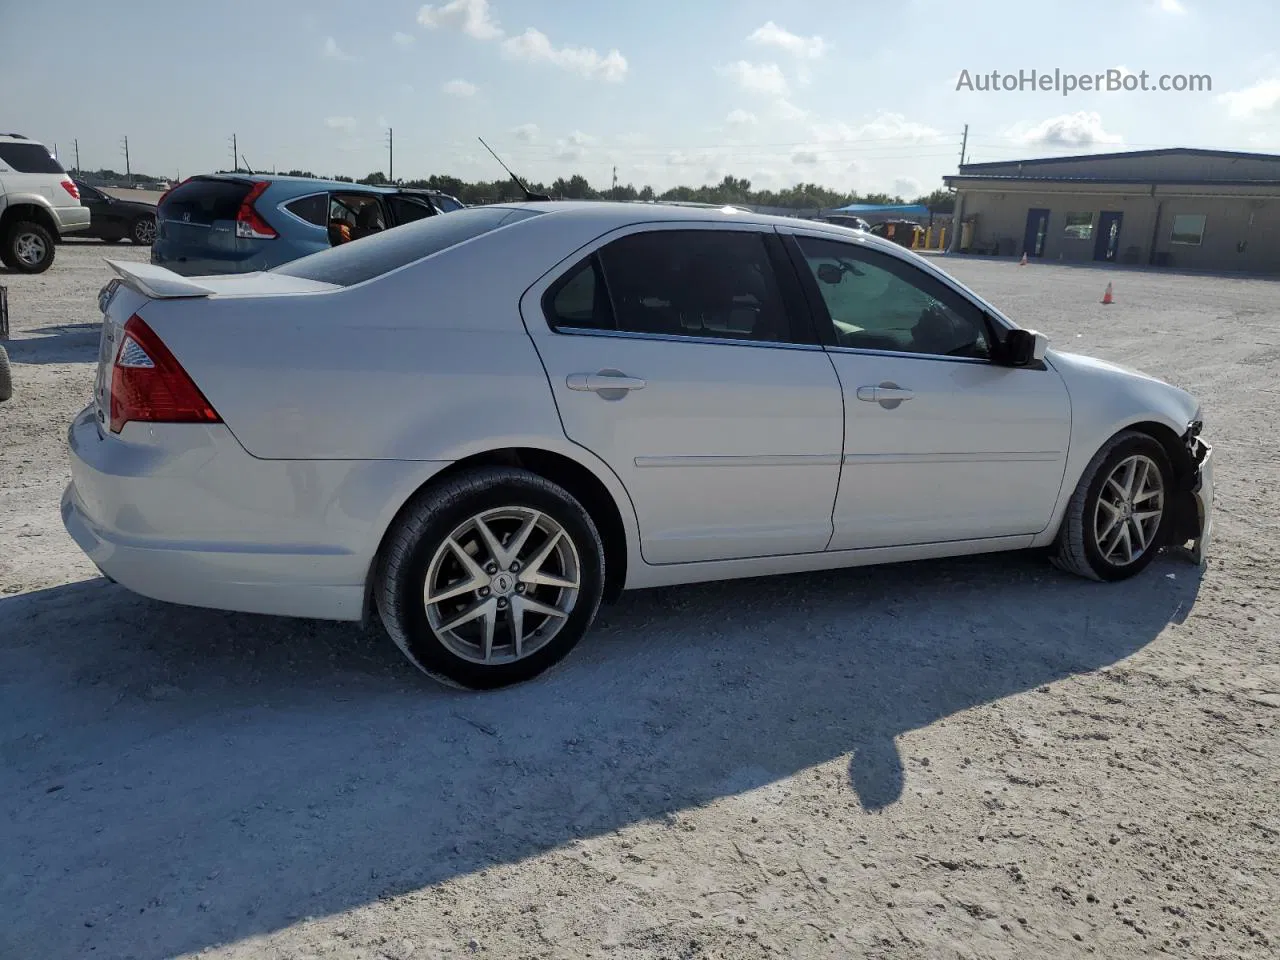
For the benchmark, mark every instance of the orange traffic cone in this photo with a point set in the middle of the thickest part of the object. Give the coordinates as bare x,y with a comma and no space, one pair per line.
1106,297
1023,261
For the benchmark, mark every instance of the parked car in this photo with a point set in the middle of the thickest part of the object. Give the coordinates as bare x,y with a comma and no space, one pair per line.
113,219
239,223
907,233
478,426
39,204
846,220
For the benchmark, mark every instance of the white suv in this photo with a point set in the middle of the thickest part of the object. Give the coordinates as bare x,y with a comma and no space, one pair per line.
39,203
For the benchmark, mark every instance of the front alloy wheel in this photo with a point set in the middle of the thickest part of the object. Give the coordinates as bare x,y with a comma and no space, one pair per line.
490,577
1115,520
144,231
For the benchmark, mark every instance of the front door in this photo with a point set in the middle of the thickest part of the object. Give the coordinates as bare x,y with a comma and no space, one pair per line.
1107,244
941,444
1037,230
676,355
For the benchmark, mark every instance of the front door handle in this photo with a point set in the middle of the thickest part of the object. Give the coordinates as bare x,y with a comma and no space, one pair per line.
604,382
888,395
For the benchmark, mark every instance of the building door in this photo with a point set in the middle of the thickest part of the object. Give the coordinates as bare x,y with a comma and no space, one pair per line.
1108,242
1037,230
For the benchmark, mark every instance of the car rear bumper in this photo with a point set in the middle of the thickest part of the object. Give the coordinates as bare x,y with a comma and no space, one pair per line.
71,219
181,513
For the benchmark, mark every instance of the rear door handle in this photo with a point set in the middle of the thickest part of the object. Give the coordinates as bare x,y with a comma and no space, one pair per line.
599,382
881,394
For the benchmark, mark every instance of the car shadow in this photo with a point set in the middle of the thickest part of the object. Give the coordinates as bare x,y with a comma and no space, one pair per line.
180,778
68,343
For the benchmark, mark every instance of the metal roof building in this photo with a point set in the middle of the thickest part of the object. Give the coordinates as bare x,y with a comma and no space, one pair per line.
1180,207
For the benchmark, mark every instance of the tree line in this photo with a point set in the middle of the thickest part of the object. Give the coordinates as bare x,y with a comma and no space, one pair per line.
735,190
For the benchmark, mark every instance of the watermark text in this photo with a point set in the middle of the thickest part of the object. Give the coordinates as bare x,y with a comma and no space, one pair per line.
1114,80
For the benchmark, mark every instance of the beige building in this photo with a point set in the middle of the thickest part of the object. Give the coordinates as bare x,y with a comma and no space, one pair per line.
1181,208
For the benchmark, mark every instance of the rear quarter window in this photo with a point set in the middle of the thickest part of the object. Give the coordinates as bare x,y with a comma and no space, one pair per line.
313,209
389,250
28,158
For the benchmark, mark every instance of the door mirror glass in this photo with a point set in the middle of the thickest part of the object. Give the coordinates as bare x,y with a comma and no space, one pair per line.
1025,347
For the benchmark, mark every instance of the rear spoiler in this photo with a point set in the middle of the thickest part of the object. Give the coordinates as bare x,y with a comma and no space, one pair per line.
156,282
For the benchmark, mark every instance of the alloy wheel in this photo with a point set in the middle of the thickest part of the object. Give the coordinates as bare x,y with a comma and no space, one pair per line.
30,248
144,231
1130,506
502,585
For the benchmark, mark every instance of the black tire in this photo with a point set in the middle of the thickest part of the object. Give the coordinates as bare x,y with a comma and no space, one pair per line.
1076,549
143,231
6,376
422,529
14,238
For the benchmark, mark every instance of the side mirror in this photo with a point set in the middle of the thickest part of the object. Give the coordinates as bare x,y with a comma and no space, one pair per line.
1025,347
830,273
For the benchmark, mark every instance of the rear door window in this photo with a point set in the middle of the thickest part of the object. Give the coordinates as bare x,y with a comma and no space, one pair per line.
380,253
205,201
409,209
28,158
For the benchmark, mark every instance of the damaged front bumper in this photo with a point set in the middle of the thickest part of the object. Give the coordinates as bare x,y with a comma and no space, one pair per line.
1193,498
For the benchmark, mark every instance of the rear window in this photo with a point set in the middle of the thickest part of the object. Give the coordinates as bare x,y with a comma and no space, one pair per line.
204,201
29,158
381,253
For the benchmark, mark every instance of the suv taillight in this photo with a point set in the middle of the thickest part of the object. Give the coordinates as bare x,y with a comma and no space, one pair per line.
69,185
149,385
249,224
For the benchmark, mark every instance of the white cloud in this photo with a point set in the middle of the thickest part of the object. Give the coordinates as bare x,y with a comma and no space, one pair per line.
883,126
580,139
807,158
335,52
345,124
526,132
1081,129
1252,102
907,187
764,78
534,46
1171,6
459,88
402,39
472,17
788,110
741,118
772,35
573,147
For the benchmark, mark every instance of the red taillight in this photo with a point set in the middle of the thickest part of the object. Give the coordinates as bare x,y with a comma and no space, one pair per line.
249,225
149,385
69,185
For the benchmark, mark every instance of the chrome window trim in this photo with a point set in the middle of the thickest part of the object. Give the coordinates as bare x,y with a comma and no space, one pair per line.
283,207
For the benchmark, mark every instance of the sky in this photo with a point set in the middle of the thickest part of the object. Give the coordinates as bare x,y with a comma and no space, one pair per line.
856,95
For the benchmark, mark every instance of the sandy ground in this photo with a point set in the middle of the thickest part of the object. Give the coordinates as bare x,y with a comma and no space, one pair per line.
976,758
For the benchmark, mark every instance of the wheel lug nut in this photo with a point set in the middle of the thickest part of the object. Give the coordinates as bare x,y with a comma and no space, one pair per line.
515,566
519,588
491,567
502,603
484,591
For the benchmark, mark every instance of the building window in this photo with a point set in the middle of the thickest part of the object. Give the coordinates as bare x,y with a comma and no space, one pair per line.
1188,228
1079,226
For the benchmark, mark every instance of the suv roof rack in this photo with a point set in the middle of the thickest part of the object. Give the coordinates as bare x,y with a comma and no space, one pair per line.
16,136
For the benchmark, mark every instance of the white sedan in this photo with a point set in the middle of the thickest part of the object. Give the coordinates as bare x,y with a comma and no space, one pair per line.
478,427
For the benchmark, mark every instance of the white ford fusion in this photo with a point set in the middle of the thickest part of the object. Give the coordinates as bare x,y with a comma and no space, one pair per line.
477,427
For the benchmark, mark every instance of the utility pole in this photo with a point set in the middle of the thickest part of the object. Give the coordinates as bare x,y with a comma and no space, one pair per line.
235,155
77,145
391,155
615,179
128,171
957,216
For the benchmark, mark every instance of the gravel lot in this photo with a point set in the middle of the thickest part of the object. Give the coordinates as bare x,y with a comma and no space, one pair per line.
976,758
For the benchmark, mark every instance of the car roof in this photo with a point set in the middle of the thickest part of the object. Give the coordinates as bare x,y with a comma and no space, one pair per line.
612,213
316,182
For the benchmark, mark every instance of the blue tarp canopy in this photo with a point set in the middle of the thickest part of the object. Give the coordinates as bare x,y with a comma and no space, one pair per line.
888,210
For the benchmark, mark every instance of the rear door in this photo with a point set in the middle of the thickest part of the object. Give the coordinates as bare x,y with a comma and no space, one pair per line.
676,353
406,208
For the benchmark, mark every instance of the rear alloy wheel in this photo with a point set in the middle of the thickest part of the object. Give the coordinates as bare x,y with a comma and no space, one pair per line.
491,578
1115,521
144,231
28,248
